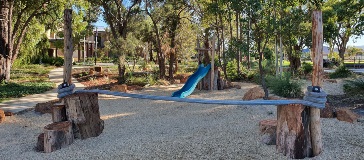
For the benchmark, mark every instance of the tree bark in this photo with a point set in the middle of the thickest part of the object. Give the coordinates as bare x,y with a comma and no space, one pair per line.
293,136
317,78
68,46
83,110
57,135
5,41
59,113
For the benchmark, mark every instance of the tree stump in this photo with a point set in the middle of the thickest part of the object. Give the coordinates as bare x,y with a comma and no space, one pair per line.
2,116
98,69
83,110
45,107
40,143
293,136
57,135
59,113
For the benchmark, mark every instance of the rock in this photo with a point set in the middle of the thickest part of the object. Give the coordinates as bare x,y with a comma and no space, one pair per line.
268,128
254,93
327,112
119,88
274,98
346,115
2,116
182,77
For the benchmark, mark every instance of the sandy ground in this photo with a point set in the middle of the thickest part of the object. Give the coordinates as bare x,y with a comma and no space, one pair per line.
145,129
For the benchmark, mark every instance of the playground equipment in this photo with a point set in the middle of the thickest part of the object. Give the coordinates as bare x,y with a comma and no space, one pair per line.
192,81
298,121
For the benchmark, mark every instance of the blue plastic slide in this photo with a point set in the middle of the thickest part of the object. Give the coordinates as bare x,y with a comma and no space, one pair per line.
192,81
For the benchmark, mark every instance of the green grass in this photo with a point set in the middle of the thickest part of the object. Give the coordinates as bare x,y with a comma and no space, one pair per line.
26,80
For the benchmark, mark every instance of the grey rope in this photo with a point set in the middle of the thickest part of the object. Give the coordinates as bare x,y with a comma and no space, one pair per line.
318,99
64,89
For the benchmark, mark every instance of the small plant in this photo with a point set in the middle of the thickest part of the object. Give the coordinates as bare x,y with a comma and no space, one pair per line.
354,87
341,72
285,86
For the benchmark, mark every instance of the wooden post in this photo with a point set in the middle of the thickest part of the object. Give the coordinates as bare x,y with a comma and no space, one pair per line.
317,78
68,46
83,110
212,64
57,135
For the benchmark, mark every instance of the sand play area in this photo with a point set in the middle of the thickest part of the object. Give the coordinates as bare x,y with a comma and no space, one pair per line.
146,129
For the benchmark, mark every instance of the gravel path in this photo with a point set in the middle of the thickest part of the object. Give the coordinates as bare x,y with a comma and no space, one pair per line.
144,129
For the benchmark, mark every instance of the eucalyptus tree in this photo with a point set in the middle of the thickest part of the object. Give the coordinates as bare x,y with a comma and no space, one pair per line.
342,20
262,28
296,26
118,14
16,17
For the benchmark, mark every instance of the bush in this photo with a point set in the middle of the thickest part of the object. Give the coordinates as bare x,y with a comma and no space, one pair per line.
306,68
340,72
231,70
284,86
354,87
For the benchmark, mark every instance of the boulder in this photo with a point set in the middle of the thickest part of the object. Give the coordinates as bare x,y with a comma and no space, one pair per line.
237,86
119,88
327,112
2,116
346,115
254,93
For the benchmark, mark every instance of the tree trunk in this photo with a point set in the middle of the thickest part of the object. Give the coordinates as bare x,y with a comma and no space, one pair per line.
293,136
83,110
121,71
68,46
223,48
236,43
57,135
317,78
5,55
261,71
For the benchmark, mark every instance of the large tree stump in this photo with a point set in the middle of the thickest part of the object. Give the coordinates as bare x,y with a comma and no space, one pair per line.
45,107
57,135
293,136
83,110
59,113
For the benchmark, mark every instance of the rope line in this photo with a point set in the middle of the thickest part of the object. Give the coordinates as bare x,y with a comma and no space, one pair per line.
314,97
207,101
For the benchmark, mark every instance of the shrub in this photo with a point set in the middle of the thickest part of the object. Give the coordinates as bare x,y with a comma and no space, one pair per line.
341,72
354,87
284,86
231,71
306,68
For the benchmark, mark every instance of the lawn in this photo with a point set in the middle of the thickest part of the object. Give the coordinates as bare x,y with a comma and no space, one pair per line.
26,80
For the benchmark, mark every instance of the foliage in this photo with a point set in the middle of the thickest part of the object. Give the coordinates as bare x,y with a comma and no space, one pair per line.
284,86
15,90
26,79
341,72
354,87
231,68
306,68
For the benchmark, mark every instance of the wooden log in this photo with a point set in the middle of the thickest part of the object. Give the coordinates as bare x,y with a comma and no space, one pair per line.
59,113
57,135
2,116
83,110
68,46
212,84
293,136
45,107
317,78
40,143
